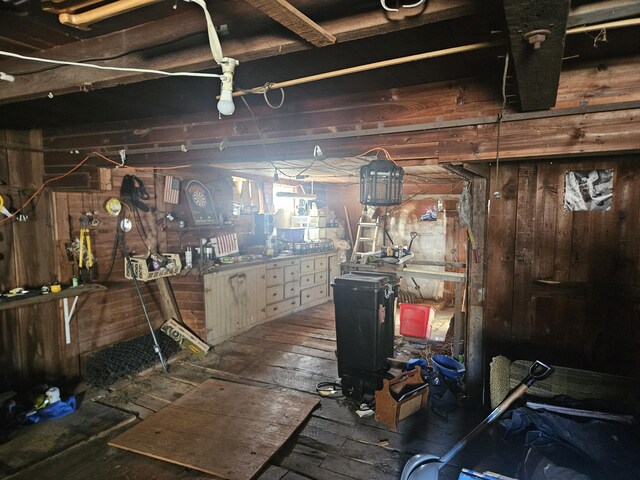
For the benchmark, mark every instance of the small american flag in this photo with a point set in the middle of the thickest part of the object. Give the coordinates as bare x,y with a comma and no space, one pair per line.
171,190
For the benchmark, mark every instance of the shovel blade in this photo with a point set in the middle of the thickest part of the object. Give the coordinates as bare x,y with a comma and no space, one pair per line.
422,467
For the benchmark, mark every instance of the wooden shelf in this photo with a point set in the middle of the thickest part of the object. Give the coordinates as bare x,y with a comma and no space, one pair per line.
7,303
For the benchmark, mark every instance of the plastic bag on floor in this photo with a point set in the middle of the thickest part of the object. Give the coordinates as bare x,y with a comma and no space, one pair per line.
59,409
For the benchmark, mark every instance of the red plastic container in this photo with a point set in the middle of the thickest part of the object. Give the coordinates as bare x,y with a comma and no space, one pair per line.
415,320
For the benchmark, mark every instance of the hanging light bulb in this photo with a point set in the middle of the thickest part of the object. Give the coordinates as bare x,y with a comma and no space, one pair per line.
225,104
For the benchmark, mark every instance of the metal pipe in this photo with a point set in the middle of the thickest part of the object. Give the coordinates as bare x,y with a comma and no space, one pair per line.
83,20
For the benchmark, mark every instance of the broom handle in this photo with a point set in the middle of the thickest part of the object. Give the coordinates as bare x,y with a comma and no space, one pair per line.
506,403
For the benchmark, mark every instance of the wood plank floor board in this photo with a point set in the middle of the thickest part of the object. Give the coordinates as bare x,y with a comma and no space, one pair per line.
98,461
292,339
310,331
285,347
277,358
195,430
273,472
326,326
287,356
356,469
34,443
306,461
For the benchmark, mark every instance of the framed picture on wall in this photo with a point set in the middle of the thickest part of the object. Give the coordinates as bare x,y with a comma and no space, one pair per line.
587,190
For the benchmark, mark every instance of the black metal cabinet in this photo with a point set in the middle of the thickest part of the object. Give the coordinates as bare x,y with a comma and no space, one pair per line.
365,310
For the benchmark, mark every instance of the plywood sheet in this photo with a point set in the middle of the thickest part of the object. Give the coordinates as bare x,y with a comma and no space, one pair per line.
222,428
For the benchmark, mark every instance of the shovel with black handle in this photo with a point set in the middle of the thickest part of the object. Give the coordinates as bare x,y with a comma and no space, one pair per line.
427,467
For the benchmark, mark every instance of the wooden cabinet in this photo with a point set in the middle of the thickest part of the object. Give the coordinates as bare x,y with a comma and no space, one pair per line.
235,301
240,298
314,286
282,297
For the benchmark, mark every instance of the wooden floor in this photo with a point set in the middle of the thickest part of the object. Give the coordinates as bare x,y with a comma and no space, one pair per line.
294,354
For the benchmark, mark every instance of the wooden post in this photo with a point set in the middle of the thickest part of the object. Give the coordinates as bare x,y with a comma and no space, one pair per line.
475,361
168,300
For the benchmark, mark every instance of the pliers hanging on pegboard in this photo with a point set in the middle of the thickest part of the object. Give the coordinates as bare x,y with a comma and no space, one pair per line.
85,239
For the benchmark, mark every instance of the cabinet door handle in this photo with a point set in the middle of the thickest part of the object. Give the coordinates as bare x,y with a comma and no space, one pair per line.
275,294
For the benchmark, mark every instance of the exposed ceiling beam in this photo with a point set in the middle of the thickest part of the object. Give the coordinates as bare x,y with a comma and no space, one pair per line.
537,30
604,11
140,41
296,21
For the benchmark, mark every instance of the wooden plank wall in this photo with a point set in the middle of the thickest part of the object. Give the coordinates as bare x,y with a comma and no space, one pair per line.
594,323
115,315
605,84
32,340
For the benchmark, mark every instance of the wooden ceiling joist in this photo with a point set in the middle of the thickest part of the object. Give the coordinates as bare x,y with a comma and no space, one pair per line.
141,39
604,11
537,30
287,15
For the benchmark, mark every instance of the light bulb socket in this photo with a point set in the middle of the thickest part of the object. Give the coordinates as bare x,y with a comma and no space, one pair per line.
225,104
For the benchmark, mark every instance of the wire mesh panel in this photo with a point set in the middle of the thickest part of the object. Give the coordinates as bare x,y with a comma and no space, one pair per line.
381,183
113,363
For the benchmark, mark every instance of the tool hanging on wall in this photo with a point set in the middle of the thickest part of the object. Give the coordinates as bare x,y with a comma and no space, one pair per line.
85,254
134,192
3,209
85,239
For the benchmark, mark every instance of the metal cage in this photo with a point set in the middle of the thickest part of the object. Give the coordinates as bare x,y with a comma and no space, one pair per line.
381,183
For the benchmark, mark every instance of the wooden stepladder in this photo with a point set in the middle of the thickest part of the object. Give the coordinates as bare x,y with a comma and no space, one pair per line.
366,236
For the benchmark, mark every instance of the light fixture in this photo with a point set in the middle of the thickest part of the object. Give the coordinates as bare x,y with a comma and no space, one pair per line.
225,104
276,177
306,196
381,183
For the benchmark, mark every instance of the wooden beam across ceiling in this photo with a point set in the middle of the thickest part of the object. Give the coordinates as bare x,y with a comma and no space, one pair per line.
537,30
296,21
604,11
134,48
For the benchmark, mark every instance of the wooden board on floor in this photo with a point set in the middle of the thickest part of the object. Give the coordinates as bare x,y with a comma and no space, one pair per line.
34,443
222,428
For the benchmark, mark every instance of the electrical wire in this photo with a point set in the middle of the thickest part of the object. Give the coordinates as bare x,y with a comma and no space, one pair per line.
41,188
264,146
120,165
171,42
264,89
329,389
500,117
104,67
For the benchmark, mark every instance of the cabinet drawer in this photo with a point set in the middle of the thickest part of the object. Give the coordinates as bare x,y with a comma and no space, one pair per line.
320,277
291,290
275,276
282,307
274,294
283,263
291,273
312,294
320,263
307,280
307,266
